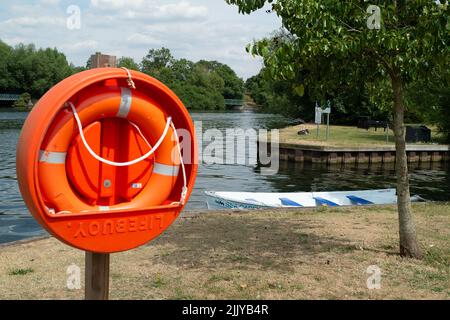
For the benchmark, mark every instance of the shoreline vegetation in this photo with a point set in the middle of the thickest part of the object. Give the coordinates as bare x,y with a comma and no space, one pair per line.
321,253
201,85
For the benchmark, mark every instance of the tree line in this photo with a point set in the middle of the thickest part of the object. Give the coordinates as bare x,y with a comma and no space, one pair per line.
25,69
202,85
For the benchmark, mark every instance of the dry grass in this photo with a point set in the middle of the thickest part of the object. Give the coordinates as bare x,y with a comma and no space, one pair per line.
291,254
340,136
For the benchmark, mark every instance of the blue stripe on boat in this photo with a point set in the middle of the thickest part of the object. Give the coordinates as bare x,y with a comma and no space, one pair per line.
325,202
289,202
359,200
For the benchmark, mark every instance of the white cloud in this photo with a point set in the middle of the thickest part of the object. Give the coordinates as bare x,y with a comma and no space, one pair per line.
81,46
182,9
200,29
117,4
49,2
151,10
12,41
142,39
33,21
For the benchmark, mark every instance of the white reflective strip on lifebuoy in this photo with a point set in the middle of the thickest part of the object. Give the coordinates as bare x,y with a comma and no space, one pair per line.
103,208
166,170
125,103
52,157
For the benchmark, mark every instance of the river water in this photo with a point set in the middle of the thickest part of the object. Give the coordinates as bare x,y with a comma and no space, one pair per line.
431,181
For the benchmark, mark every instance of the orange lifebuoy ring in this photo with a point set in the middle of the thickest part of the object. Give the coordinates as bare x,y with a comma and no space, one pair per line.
75,167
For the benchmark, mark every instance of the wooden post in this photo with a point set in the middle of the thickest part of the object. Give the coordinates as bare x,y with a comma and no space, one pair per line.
96,276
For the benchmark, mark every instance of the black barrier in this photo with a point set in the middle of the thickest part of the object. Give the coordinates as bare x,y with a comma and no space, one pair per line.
417,134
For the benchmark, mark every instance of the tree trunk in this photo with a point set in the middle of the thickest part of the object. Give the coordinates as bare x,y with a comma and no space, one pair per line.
407,228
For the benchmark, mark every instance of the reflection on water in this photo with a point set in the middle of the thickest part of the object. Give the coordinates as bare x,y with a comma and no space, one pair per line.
431,181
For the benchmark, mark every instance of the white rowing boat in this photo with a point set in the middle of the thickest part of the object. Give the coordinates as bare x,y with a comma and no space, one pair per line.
253,200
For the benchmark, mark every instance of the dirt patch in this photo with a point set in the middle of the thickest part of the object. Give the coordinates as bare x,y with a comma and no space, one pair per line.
288,254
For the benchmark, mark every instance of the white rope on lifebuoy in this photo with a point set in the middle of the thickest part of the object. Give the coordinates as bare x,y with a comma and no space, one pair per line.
184,190
130,79
113,163
169,123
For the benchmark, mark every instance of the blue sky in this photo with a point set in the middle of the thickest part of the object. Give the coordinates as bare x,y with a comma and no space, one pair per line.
192,29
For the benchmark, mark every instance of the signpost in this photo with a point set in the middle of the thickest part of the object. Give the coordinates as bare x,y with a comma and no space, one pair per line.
318,118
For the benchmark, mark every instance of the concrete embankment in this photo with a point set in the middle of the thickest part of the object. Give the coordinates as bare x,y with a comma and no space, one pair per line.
350,145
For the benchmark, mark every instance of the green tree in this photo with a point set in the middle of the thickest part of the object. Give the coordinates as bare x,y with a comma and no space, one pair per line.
278,96
202,85
157,60
34,71
293,97
431,99
346,43
127,62
198,87
48,68
76,69
5,79
182,70
203,77
233,85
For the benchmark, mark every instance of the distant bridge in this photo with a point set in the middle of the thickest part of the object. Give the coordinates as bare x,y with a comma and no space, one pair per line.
234,102
9,97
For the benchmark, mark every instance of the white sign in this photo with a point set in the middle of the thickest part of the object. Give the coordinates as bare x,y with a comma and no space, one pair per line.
318,118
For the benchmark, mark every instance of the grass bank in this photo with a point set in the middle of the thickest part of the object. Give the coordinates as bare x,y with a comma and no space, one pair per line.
283,254
342,136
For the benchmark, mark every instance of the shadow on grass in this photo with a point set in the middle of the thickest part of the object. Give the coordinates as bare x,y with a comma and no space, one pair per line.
246,242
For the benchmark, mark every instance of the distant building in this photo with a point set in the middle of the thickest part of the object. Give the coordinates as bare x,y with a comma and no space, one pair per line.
99,60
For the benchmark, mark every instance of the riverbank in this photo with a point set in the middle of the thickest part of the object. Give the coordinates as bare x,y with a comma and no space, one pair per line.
345,137
350,145
268,254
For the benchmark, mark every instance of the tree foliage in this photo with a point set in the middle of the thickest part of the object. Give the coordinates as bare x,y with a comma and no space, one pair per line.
278,96
26,69
233,87
157,59
431,99
201,85
127,62
330,43
283,96
337,45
